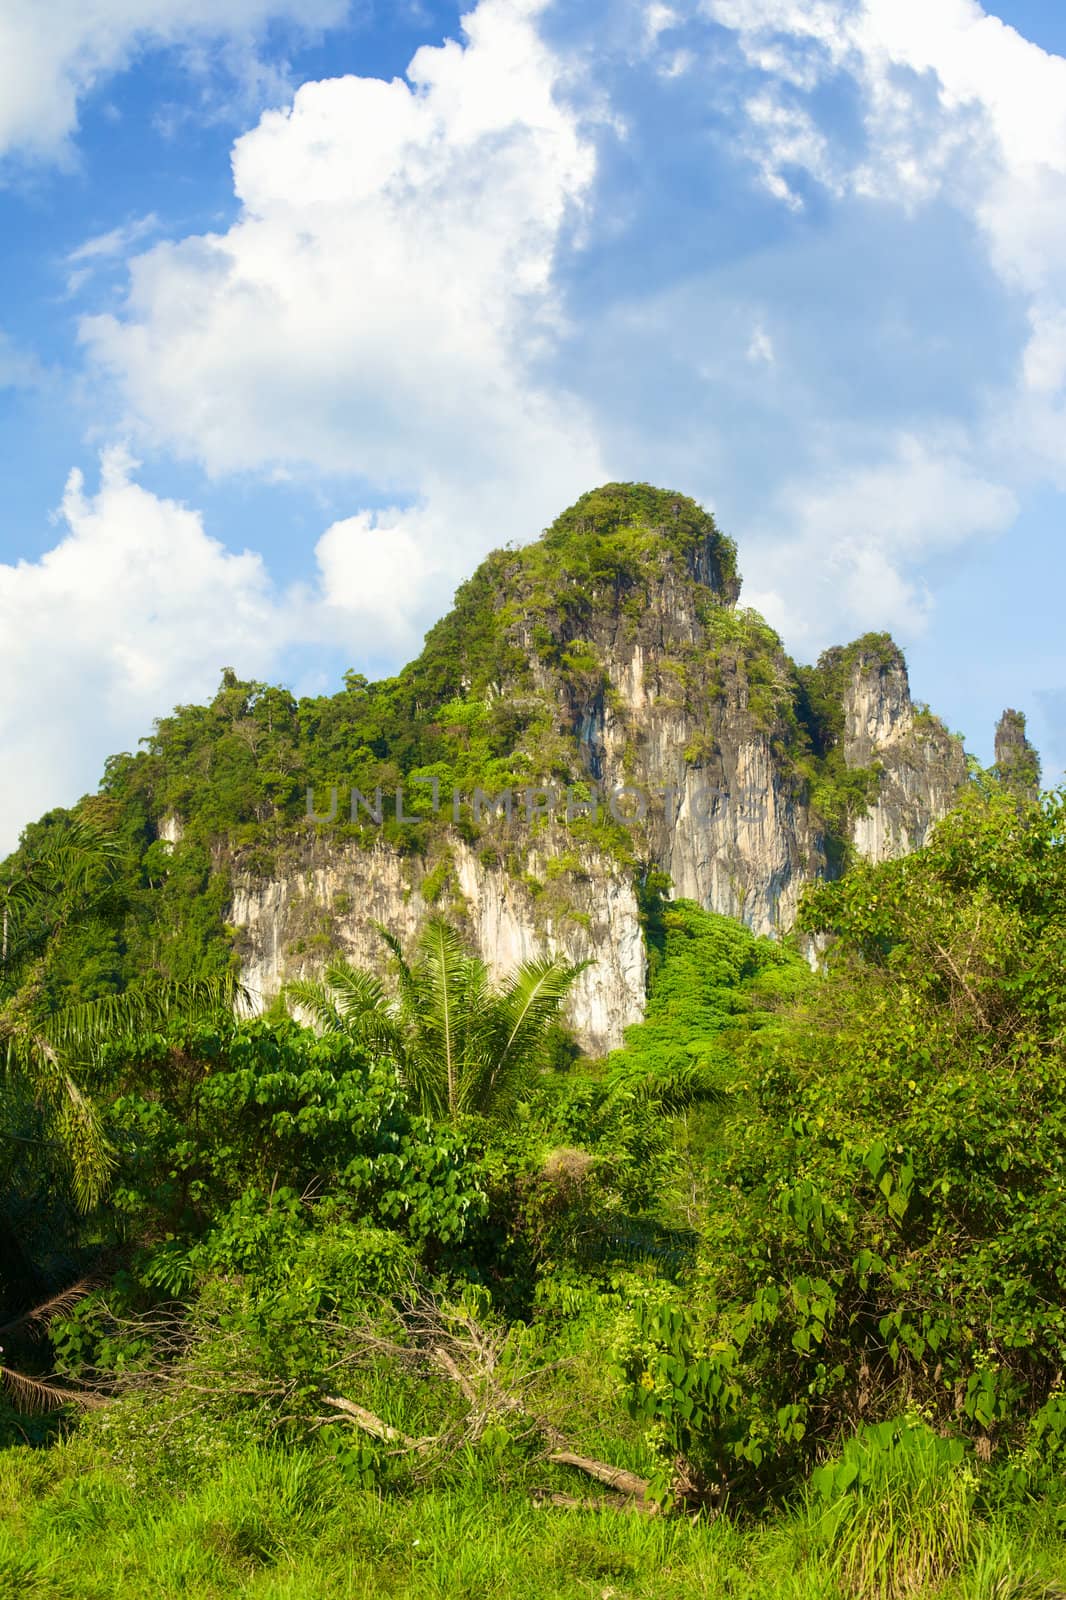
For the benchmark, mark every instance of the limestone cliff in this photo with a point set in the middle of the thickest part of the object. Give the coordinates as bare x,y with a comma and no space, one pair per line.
333,901
919,766
1017,762
612,654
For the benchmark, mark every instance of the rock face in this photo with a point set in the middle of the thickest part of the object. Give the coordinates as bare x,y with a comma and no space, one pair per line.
618,645
1017,762
331,903
920,766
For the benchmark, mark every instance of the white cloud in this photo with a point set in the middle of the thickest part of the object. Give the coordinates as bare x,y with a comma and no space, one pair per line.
847,553
381,305
659,18
102,248
53,52
1045,354
377,312
953,100
786,136
116,242
134,609
955,109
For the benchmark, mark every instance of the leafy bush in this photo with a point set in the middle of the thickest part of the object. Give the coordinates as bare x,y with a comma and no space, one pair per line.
887,1221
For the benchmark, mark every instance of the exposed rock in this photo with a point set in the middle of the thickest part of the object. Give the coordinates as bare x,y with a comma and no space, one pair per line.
921,767
751,777
170,829
332,902
1017,762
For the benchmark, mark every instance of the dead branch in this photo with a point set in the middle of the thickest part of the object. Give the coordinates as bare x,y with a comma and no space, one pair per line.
374,1425
37,1394
37,1319
451,1370
617,1478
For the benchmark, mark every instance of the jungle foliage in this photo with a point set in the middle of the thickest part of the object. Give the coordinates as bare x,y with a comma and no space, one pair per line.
494,702
798,1245
417,1300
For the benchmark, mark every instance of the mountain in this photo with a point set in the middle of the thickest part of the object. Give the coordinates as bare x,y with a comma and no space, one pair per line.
609,655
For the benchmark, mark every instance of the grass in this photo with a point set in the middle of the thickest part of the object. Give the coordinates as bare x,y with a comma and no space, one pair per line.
279,1525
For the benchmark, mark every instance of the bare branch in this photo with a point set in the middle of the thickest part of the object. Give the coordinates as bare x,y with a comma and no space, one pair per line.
374,1425
617,1478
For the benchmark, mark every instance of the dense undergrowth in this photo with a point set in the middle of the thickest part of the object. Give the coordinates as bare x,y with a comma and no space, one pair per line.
770,1301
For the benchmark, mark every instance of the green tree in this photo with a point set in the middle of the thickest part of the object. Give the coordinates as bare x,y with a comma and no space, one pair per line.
59,883
462,1044
886,1222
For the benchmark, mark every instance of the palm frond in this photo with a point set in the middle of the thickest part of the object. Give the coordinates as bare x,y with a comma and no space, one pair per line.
41,1051
38,1319
673,1090
118,1016
351,1001
522,1014
317,1000
32,1395
424,1081
442,966
72,1119
70,862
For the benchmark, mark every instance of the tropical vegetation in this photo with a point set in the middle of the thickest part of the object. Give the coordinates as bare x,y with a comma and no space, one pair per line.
396,1294
392,1291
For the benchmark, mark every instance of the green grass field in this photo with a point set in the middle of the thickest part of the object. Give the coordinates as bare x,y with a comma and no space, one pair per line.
288,1526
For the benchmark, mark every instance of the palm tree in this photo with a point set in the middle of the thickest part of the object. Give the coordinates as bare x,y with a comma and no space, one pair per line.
60,883
462,1044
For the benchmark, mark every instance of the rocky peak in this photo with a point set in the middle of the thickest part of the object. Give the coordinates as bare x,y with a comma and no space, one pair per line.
876,697
1017,762
608,654
866,696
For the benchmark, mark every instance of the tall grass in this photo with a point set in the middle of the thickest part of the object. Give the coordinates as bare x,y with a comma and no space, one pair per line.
895,1516
271,1524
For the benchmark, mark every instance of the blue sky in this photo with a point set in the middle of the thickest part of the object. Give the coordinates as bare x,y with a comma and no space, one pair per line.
305,307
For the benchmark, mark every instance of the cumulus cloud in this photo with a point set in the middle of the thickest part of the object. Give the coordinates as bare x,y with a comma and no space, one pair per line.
851,548
949,108
133,609
382,304
954,102
53,52
389,297
389,309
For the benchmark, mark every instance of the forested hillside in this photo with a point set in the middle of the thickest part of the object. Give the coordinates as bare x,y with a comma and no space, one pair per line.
785,1271
394,1288
608,655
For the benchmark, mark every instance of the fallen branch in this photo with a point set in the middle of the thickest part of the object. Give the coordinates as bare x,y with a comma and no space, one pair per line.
630,1492
616,1478
450,1368
376,1426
